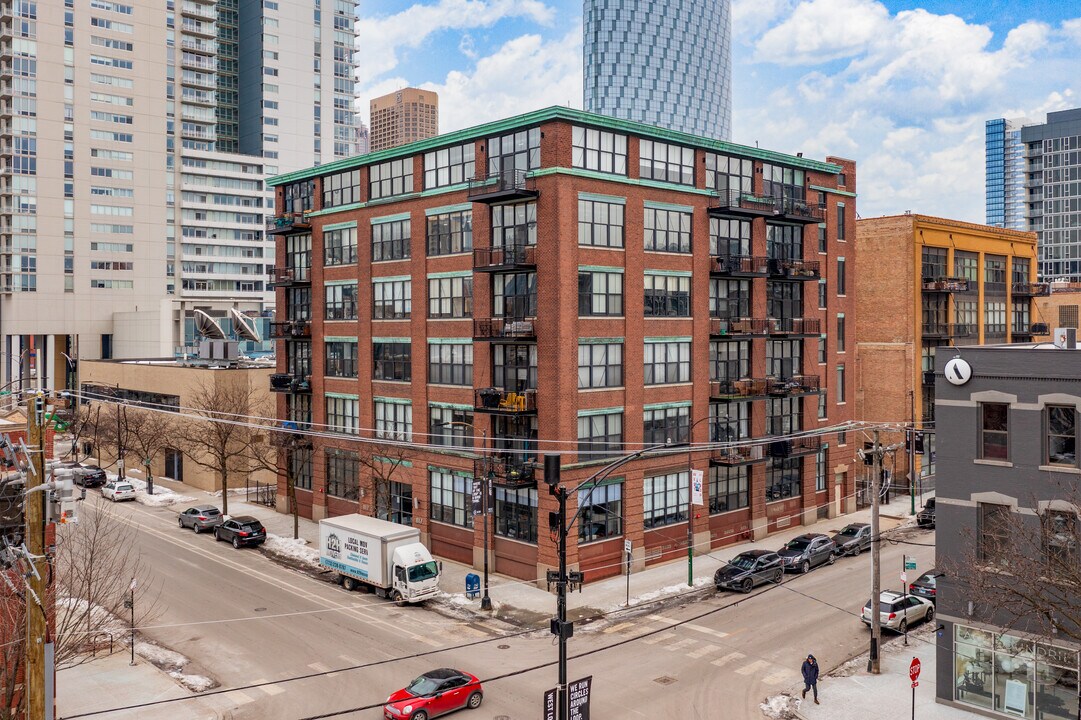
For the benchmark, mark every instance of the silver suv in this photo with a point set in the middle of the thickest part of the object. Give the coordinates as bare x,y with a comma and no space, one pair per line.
897,611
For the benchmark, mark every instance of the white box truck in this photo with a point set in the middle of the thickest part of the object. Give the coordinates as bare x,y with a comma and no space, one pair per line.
386,556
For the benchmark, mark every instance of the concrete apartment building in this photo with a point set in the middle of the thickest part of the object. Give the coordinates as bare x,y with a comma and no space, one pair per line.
1008,509
937,284
667,64
403,116
575,283
132,189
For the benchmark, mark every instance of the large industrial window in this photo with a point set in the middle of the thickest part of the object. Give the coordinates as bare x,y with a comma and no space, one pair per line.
516,513
452,498
393,419
450,233
341,302
668,424
600,293
343,474
728,488
450,364
664,499
667,230
343,414
667,295
390,178
341,189
450,297
600,435
340,246
341,358
392,298
450,426
601,511
390,240
598,150
661,161
449,166
729,237
392,361
600,223
600,365
667,362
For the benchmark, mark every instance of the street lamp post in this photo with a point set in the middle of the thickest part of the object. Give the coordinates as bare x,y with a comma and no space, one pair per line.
690,500
486,489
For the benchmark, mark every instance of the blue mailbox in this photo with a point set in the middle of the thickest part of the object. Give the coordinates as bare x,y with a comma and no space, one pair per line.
472,585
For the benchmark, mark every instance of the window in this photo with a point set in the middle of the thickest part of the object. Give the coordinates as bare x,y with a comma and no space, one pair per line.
601,511
343,474
342,414
664,499
393,419
341,358
390,240
994,317
821,479
993,533
1067,316
514,295
598,150
840,332
392,361
514,226
784,300
822,246
841,283
729,237
450,233
782,478
784,242
600,293
994,428
392,299
516,513
452,498
822,294
667,361
300,466
518,151
728,174
514,367
341,302
341,189
841,222
728,488
340,246
449,166
600,223
661,161
298,254
450,297
298,196
729,299
729,360
667,230
298,359
840,383
663,424
390,178
450,426
783,183
966,266
600,435
667,295
450,364
1062,435
395,503
933,263
1060,541
994,274
822,349
600,365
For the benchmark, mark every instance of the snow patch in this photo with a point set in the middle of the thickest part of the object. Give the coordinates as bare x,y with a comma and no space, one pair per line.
458,599
291,549
195,683
162,497
780,707
173,664
664,592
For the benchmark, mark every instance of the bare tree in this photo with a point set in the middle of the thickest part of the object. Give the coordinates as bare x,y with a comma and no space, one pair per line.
147,433
382,460
217,434
283,450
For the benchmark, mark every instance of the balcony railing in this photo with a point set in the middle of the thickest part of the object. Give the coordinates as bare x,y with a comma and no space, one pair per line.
287,223
287,382
290,440
737,455
799,211
928,378
738,265
291,329
493,259
787,447
727,327
512,470
945,285
1031,289
502,186
504,327
287,276
795,268
498,400
742,388
795,326
1040,328
734,202
794,385
949,330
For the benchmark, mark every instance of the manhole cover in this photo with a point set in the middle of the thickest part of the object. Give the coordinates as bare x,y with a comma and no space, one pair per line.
664,680
503,647
260,609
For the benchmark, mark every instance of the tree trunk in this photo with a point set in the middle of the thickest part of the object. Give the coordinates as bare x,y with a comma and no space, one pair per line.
224,491
291,493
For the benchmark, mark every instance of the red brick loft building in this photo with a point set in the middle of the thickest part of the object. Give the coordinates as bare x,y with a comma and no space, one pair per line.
563,280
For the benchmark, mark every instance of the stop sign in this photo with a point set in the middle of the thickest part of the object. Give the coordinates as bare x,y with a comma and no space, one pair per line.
914,669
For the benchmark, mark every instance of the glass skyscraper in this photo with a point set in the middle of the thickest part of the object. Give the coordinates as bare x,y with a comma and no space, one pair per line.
1005,174
1052,168
666,63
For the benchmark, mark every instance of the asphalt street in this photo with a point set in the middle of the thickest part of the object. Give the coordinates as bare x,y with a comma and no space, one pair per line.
243,619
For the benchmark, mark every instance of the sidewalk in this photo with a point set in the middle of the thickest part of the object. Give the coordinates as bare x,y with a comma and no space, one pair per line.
516,597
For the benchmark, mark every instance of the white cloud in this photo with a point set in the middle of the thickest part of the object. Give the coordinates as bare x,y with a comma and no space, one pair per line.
751,17
468,47
380,38
822,30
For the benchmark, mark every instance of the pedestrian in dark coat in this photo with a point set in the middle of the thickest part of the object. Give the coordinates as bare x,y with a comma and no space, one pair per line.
810,677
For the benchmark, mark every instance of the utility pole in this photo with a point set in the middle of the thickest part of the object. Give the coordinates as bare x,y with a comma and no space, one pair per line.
910,448
489,472
34,511
876,581
560,626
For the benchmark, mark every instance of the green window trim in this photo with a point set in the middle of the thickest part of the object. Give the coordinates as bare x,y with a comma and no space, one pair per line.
667,405
600,268
834,191
607,481
335,210
451,274
388,461
341,396
392,340
390,218
451,471
670,273
334,283
391,278
678,338
339,338
654,205
450,341
451,406
460,207
600,341
351,225
393,400
599,411
594,197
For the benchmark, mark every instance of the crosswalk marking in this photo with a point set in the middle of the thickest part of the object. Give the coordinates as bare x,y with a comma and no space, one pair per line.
753,667
663,619
778,677
660,637
620,626
350,660
702,651
708,631
680,645
727,659
272,689
239,697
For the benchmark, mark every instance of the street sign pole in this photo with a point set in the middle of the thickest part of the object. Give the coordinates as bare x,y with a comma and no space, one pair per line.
627,551
914,675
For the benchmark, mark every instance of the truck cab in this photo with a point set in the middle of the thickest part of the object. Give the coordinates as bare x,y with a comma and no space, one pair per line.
416,573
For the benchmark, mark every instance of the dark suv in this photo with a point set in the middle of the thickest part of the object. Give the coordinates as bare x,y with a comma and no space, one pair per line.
89,476
748,569
241,530
807,551
926,517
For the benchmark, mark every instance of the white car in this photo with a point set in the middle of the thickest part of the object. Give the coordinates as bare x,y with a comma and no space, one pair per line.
116,490
897,611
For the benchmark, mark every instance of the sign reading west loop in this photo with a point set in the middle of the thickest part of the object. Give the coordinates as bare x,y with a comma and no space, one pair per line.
550,704
578,698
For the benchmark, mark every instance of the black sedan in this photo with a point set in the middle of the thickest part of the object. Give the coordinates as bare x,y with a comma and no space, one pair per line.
854,539
807,551
926,517
925,586
749,569
89,476
241,530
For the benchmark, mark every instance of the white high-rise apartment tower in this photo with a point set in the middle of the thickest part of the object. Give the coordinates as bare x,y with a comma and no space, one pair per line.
135,137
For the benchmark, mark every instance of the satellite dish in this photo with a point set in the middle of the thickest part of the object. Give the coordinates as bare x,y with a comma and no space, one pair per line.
241,327
207,327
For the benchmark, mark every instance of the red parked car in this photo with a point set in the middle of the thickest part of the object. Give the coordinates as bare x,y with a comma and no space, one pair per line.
434,693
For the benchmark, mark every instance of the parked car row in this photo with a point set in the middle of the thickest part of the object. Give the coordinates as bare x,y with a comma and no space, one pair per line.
241,531
898,611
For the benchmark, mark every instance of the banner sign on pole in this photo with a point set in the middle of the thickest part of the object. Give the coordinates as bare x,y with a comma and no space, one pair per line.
477,497
578,698
550,704
696,487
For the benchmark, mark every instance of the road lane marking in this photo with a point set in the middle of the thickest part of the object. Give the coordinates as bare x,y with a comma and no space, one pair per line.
708,631
754,667
350,660
620,626
663,619
702,651
778,678
719,662
239,697
660,637
268,687
680,645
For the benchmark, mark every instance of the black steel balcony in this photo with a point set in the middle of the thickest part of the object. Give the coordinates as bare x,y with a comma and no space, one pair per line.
742,388
742,455
287,223
788,447
793,327
512,471
945,285
289,277
499,328
505,402
291,329
734,202
738,327
793,386
290,440
738,266
799,211
496,259
1040,328
949,330
928,378
794,269
1031,289
289,383
503,186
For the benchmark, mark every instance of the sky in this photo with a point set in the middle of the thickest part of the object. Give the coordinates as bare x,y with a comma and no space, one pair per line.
903,88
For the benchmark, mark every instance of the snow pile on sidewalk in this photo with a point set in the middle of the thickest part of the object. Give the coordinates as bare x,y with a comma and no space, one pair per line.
780,707
670,590
162,497
173,663
290,549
